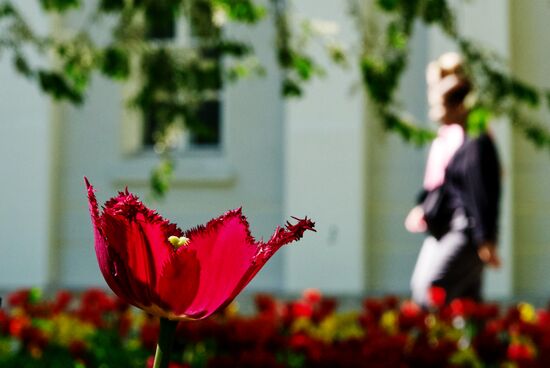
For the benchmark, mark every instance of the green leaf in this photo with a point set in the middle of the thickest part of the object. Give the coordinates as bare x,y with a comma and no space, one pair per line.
238,71
284,56
161,177
111,5
35,295
56,85
22,66
478,121
303,66
234,48
408,11
59,5
396,37
291,88
160,19
536,135
244,11
115,63
77,75
435,11
6,10
388,5
524,93
374,76
337,55
407,130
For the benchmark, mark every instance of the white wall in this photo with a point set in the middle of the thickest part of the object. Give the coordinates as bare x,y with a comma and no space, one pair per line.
323,156
325,171
25,148
529,61
395,176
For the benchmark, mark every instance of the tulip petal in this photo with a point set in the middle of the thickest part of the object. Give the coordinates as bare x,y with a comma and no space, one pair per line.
136,266
280,237
230,257
179,282
135,241
226,251
105,258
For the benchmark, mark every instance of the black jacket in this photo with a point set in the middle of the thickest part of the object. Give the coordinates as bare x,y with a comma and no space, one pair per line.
472,183
473,178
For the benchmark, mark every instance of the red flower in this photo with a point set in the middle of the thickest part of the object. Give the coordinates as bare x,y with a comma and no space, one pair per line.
312,296
463,307
19,298
299,309
17,325
266,304
520,352
4,322
437,296
149,333
410,309
62,301
157,267
411,316
94,305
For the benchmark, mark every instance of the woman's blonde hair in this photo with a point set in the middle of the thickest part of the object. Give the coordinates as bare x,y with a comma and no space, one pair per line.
448,89
446,77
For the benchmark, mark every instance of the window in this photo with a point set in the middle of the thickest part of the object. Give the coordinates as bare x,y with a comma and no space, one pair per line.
202,119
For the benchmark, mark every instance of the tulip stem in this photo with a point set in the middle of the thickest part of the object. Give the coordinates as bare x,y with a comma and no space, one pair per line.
165,342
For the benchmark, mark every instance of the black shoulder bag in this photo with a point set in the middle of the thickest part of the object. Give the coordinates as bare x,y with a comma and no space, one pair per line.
437,211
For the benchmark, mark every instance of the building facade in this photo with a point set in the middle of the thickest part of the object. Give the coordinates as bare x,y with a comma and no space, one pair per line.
324,156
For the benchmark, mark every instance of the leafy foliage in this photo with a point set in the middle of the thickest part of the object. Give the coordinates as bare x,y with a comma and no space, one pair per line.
177,78
498,92
161,176
297,64
115,63
56,85
59,5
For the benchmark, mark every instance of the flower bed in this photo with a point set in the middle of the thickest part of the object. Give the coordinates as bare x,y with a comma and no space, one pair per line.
99,330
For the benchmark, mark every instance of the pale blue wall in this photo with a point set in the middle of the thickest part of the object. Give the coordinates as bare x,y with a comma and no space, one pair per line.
25,166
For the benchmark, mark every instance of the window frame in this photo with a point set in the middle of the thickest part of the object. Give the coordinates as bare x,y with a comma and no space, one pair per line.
133,121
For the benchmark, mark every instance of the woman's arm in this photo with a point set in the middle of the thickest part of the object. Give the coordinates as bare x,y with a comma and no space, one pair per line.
488,253
415,222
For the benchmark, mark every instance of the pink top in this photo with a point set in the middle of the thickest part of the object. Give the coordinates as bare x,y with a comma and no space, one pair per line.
448,141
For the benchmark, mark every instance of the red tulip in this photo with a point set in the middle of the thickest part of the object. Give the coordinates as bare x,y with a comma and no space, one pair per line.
520,352
312,296
62,301
19,298
266,305
437,296
165,271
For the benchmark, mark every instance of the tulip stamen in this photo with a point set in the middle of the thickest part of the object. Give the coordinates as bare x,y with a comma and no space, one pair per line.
178,241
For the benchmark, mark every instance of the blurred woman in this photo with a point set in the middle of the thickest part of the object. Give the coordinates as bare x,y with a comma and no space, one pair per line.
459,204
